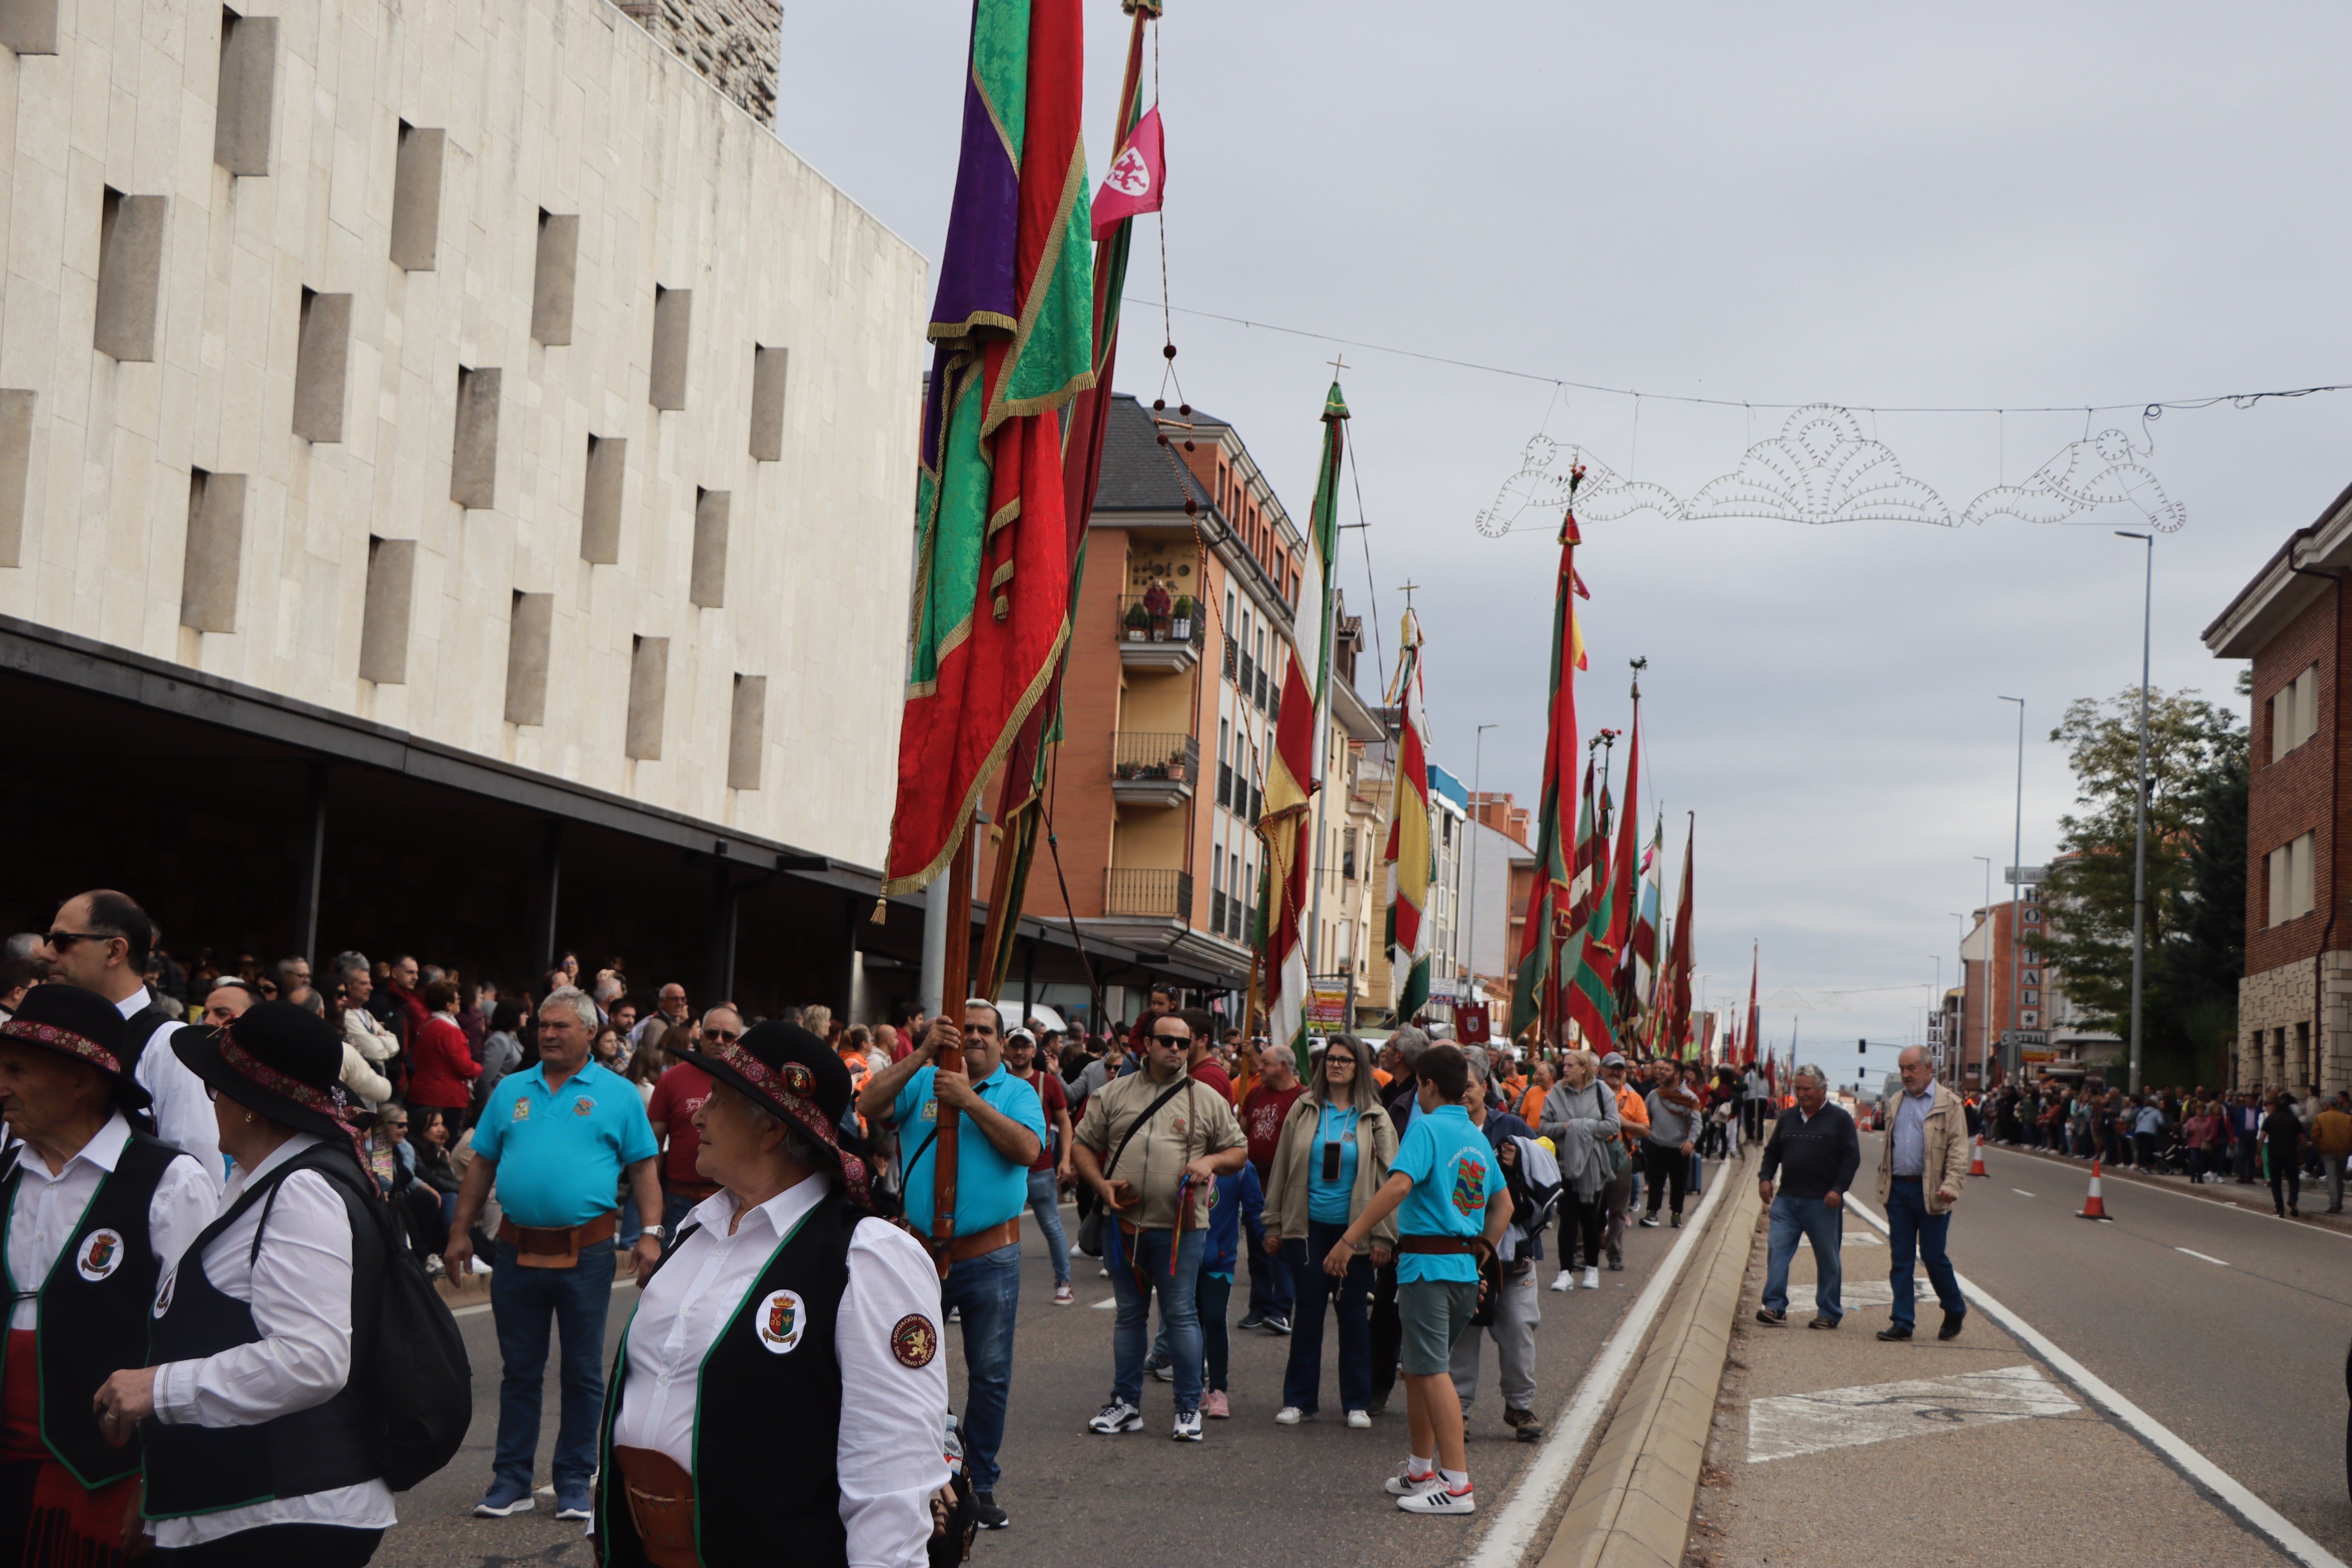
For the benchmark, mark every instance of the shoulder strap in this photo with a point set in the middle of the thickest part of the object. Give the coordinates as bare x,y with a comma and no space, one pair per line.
1139,1124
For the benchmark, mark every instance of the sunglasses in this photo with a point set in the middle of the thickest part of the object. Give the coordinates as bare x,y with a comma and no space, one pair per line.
62,940
1173,1039
724,1036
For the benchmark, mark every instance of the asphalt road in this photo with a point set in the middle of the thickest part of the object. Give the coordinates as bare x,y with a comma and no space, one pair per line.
2228,1326
1305,1496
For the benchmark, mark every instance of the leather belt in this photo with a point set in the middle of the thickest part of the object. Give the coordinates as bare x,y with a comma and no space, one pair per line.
557,1247
982,1242
1444,1245
661,1505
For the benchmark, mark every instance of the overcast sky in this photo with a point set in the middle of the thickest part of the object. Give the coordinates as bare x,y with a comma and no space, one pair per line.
1992,206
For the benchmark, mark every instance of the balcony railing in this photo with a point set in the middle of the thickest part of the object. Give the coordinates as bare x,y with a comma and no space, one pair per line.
1139,622
1140,758
1217,912
1151,895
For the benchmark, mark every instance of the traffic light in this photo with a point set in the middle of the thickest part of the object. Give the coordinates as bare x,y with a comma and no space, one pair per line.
1862,1047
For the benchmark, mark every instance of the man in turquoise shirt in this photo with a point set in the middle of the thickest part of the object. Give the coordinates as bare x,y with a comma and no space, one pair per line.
1001,1131
1447,1193
558,1141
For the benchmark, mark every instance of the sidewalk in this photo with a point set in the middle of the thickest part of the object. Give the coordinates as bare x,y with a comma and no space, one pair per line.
1832,1449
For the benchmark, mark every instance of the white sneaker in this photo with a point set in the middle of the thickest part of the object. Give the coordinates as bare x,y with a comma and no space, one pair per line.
1188,1426
1592,1279
1117,1417
1359,1419
1405,1483
1564,1280
1289,1415
1437,1499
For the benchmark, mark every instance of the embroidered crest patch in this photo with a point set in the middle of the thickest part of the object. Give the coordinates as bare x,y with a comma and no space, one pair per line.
781,1322
101,1254
915,1341
522,1111
1469,1184
163,1292
582,1106
799,1079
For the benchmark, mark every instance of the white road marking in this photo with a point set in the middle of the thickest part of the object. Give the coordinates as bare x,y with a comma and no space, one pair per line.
1505,1542
2200,1255
1862,1239
2021,1192
1791,1425
2162,1438
1108,1301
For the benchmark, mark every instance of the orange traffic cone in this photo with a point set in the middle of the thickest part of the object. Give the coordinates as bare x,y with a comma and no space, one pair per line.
1976,1159
2096,1207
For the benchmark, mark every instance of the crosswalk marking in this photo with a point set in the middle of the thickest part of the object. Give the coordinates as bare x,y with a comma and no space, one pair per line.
1787,1425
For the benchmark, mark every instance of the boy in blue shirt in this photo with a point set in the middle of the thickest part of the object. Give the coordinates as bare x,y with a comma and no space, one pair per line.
1447,1190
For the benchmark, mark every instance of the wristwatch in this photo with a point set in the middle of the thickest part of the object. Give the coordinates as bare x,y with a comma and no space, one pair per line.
657,1232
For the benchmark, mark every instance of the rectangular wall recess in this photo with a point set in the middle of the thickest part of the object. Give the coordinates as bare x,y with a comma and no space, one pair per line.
384,620
321,357
708,582
248,78
474,455
747,732
216,543
30,26
600,506
673,311
551,278
529,632
768,402
15,472
417,198
129,275
649,686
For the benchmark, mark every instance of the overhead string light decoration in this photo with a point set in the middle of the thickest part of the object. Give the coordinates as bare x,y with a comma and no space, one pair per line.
1822,468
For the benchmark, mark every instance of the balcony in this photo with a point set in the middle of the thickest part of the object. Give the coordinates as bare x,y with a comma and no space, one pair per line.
1161,641
1149,895
1153,770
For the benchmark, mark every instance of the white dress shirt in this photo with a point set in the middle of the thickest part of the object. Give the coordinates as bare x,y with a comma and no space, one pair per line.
893,1417
300,1288
182,1110
47,1208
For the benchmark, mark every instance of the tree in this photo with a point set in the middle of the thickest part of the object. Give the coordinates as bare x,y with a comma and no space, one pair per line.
2196,875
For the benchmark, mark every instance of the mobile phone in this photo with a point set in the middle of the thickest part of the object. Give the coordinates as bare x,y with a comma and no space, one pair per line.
1331,1162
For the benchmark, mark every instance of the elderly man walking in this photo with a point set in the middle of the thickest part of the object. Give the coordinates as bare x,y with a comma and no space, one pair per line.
1814,1144
1920,1170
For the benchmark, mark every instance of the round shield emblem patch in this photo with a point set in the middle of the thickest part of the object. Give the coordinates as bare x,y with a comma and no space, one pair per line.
915,1341
798,1080
782,1319
100,1256
164,1292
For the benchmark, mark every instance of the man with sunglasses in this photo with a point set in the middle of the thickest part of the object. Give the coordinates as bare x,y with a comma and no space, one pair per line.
678,1094
1001,1134
101,942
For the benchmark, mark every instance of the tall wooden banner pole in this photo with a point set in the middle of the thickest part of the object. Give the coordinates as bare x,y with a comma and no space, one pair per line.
954,983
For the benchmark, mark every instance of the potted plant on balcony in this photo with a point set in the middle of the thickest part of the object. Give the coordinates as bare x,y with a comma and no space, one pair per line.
1138,622
1182,631
1174,768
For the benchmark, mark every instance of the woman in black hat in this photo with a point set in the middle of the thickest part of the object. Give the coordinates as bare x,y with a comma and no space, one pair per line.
259,1450
779,1395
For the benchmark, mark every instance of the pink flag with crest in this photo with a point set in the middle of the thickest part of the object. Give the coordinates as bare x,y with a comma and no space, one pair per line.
1136,177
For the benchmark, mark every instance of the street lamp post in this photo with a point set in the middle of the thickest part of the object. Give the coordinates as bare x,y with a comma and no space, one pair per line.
1477,768
2139,804
1953,1046
2009,1058
1984,1029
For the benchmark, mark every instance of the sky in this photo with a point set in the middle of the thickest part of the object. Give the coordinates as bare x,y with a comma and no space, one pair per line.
1991,207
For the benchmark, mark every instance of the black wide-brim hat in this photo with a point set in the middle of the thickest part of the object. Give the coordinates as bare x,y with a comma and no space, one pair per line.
278,1058
789,1072
84,1026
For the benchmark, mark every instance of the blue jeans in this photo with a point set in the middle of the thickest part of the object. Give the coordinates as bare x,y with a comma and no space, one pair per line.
1824,1227
988,1290
1270,1285
523,1302
676,1206
1302,1381
1140,1265
1046,1204
633,1226
1911,1229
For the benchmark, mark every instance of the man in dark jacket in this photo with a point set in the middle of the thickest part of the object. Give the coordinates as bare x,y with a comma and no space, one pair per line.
1814,1147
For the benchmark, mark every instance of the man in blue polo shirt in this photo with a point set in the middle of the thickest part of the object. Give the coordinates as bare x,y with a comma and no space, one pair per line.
1446,1190
557,1140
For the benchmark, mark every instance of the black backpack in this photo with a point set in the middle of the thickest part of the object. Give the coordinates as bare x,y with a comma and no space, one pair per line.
420,1385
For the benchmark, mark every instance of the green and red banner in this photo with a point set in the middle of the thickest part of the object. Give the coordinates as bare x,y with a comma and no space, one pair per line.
1412,860
1535,987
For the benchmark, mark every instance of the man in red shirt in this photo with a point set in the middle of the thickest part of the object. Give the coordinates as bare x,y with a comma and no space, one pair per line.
1263,1113
678,1096
1202,1061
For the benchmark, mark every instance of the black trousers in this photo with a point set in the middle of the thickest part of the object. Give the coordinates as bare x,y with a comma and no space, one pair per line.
280,1546
1581,1219
17,1507
1388,1332
2284,1170
1666,1169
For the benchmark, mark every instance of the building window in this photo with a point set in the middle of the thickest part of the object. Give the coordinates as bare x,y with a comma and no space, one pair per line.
2295,712
2289,874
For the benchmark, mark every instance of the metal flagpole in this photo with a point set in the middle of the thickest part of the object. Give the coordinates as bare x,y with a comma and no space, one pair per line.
2009,1058
1477,769
2139,811
1984,1029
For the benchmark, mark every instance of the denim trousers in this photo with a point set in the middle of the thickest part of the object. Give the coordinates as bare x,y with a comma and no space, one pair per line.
1302,1382
1148,1263
987,1289
1813,1220
1911,1229
1270,1289
1045,1205
524,1304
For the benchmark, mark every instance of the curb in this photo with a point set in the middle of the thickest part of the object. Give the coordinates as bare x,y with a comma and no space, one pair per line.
1633,1508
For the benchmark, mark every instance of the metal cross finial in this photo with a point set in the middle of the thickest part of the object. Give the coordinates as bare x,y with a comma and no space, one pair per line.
1409,588
1337,364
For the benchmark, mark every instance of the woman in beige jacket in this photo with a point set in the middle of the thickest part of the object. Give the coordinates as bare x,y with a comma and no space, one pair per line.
1332,1156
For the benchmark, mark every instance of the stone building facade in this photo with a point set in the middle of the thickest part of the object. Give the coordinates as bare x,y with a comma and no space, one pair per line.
2294,1004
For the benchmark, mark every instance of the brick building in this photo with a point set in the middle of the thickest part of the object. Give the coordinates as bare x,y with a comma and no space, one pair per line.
2055,1035
2289,620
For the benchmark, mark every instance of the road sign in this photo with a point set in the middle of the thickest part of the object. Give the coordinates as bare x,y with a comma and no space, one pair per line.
2024,1038
2025,876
